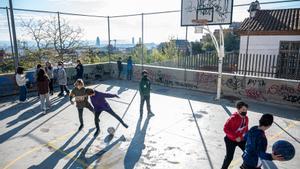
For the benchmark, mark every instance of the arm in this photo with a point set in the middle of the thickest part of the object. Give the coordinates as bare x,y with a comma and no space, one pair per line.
71,97
262,148
107,95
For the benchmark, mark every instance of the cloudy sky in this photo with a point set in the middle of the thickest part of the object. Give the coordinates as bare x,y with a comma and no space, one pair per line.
157,28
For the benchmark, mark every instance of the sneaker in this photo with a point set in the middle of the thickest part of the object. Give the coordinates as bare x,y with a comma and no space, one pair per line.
80,127
44,112
150,114
60,95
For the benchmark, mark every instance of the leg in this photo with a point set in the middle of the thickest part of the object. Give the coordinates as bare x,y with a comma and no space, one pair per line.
142,105
66,89
21,93
90,107
111,112
230,148
148,104
131,74
48,103
80,111
51,86
42,99
96,120
61,90
25,93
242,145
127,74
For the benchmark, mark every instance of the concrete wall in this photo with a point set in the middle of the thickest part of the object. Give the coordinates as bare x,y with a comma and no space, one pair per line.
272,90
8,84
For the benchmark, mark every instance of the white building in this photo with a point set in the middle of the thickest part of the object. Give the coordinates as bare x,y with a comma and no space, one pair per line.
273,44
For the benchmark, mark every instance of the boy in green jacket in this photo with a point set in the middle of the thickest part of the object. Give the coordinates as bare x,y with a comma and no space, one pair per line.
145,87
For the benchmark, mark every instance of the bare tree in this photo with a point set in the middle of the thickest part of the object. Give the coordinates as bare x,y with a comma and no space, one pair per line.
46,34
36,29
67,39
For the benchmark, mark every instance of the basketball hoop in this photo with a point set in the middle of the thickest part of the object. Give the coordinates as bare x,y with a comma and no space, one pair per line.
200,22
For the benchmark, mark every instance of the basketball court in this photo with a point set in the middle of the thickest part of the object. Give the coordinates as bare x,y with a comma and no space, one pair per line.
186,132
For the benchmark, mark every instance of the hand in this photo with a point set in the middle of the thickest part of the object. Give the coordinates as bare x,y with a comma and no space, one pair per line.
117,96
72,102
238,139
277,157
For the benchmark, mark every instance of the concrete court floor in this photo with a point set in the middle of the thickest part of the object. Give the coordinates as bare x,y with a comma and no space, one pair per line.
185,133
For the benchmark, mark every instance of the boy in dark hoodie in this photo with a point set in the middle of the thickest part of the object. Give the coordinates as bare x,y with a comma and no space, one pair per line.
81,98
235,128
145,87
100,104
256,145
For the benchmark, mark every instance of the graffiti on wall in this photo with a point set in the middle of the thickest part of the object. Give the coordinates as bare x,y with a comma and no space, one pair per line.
234,83
201,77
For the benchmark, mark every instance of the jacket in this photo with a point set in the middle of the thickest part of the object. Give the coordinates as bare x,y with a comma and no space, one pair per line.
256,146
62,76
21,79
234,127
43,86
99,102
49,72
145,86
79,69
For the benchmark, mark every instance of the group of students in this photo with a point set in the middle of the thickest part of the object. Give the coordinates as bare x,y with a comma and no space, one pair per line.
129,67
252,142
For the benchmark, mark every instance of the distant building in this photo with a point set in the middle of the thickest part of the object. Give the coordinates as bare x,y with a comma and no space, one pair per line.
132,40
2,54
275,33
180,44
97,41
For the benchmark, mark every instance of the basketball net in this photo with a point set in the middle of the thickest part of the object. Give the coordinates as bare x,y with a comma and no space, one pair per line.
200,23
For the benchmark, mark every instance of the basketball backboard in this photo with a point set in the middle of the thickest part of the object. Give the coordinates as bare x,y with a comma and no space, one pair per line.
216,12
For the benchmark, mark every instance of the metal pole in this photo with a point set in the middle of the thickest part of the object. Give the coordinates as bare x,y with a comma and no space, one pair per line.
13,28
220,62
11,43
60,40
142,41
188,49
108,30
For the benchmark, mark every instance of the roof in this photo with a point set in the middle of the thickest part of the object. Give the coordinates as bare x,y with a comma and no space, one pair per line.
273,22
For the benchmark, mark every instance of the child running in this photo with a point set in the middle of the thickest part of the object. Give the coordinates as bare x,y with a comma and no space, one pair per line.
256,145
100,104
79,92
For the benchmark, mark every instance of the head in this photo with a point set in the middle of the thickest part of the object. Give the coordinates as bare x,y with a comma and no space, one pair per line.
41,75
120,58
129,57
90,92
79,84
242,108
266,121
38,66
48,64
78,62
60,65
20,70
145,73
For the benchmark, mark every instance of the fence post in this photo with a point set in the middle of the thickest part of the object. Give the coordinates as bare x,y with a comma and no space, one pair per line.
13,28
60,40
142,41
9,30
108,30
186,38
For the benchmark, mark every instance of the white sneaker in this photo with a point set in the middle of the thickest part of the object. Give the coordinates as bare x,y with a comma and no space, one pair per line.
44,112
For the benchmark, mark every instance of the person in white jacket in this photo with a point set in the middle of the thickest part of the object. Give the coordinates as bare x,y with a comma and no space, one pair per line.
21,82
62,79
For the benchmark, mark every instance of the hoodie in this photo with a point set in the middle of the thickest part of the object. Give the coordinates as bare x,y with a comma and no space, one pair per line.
256,146
99,102
145,86
236,126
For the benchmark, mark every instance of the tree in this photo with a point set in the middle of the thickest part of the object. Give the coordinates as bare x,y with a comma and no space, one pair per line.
197,47
64,38
37,30
231,41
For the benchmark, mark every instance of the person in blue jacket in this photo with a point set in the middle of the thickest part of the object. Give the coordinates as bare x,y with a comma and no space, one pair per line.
129,68
256,145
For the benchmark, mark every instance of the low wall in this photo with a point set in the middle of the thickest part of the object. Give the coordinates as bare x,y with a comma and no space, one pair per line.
93,72
272,90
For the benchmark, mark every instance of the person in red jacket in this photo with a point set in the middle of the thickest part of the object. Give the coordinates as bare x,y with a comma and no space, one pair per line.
235,128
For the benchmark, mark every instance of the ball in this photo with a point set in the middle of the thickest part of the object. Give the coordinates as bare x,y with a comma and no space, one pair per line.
111,130
284,148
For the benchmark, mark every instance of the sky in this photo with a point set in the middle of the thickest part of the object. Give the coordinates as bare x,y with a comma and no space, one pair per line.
157,28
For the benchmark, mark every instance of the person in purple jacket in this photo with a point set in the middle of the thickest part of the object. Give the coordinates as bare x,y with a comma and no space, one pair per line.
100,104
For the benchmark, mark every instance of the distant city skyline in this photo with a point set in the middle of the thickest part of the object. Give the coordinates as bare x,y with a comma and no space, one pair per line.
157,28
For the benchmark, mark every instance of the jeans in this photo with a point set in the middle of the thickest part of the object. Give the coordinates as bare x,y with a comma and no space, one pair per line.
45,101
129,74
143,99
51,86
119,75
23,93
80,111
230,148
62,88
111,112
